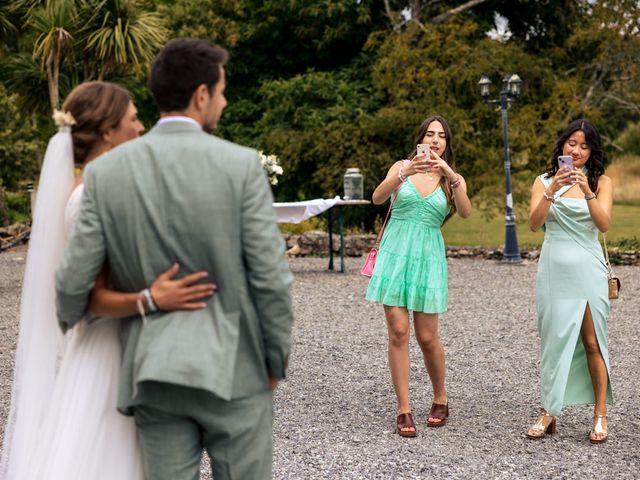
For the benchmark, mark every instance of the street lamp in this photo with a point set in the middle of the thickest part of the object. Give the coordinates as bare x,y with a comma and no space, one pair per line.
511,88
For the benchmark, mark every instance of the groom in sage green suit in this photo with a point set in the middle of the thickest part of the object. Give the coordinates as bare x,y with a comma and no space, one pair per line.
197,379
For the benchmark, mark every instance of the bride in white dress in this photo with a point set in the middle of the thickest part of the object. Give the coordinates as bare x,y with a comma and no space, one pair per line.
63,423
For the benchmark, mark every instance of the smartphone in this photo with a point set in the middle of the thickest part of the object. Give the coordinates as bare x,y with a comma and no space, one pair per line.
423,149
565,161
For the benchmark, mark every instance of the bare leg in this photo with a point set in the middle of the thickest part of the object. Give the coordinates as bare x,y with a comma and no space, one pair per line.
398,329
597,367
426,327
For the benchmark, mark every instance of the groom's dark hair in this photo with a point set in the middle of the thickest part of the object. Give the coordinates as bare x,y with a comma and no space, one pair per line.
182,66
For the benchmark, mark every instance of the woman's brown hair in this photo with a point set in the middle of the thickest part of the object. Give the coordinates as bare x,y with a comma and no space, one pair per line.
448,155
97,107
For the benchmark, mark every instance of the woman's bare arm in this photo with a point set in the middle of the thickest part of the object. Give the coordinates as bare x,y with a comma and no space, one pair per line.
168,294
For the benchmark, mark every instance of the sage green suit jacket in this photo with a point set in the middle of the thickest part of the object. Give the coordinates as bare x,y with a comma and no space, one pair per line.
180,195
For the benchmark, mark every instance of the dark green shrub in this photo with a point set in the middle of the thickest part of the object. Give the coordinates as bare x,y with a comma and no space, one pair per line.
19,207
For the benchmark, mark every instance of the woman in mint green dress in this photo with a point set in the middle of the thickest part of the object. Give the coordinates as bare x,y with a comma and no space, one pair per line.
410,273
572,205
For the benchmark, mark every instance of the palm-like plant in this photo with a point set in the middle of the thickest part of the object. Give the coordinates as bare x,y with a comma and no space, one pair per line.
24,76
55,23
6,25
126,34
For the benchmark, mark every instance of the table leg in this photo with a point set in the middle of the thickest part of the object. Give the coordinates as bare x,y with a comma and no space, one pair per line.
330,240
341,240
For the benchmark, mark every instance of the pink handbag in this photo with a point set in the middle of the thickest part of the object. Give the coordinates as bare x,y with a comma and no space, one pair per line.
367,268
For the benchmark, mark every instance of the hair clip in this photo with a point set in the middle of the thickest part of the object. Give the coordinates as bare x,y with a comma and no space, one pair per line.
63,119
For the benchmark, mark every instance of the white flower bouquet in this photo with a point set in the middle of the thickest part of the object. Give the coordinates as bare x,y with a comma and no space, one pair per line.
271,166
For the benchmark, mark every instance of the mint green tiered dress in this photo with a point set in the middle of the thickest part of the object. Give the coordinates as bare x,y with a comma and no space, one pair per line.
572,274
411,267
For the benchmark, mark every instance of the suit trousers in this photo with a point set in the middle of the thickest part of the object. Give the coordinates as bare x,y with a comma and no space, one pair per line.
176,423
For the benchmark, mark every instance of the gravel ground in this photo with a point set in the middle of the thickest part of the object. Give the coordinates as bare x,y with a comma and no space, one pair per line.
335,413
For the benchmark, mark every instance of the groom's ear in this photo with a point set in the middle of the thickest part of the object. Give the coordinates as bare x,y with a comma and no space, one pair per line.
200,98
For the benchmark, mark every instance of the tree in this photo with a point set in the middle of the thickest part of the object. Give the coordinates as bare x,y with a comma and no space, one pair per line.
19,143
79,40
54,24
124,34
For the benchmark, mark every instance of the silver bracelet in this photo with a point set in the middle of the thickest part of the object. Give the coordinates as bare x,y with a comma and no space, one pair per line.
401,176
547,197
148,299
590,197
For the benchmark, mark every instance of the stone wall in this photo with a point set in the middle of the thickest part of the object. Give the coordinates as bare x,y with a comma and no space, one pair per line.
317,243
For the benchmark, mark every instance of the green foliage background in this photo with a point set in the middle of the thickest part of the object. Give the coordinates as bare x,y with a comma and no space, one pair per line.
331,84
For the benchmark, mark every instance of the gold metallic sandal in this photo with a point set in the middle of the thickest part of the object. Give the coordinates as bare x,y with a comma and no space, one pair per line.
539,430
599,429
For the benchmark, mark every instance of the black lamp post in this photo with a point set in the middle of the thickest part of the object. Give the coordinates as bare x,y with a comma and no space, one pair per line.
511,88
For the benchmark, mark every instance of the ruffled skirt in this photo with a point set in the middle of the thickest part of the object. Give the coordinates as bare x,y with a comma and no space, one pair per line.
411,268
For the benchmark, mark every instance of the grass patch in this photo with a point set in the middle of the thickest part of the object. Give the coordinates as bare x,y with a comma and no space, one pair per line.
476,232
625,175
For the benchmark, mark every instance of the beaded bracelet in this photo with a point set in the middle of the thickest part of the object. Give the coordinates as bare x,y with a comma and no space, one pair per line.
456,183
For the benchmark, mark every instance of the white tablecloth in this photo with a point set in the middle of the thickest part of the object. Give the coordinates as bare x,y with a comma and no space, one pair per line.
296,212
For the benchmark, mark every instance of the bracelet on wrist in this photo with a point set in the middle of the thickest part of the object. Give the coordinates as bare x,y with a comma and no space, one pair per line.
148,300
547,197
456,183
590,197
401,176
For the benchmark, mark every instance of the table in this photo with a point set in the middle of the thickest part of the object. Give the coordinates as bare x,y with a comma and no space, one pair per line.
340,204
296,212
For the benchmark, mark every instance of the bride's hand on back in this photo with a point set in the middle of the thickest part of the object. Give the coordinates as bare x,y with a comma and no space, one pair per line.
182,294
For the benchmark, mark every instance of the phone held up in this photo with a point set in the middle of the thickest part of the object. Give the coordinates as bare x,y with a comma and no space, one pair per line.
565,161
423,149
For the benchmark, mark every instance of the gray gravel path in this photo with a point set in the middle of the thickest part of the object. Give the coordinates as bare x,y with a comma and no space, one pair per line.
335,413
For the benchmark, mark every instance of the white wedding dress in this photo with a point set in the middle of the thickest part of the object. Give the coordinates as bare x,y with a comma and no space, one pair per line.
81,435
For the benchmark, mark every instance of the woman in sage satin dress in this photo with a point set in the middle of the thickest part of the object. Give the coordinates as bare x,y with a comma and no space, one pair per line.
411,269
572,206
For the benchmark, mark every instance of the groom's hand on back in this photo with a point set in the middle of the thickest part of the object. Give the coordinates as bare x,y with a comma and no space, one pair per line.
182,294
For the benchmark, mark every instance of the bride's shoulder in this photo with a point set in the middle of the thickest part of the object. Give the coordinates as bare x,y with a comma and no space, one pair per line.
75,197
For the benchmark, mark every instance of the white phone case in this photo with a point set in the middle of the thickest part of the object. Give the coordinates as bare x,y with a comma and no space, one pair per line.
423,149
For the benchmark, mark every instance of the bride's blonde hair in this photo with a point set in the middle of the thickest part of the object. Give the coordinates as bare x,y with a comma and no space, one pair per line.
96,107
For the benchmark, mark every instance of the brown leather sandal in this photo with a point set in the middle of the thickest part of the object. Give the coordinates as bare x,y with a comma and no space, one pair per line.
405,420
440,412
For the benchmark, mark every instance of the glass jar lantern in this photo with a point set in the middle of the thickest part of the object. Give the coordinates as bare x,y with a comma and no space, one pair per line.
352,183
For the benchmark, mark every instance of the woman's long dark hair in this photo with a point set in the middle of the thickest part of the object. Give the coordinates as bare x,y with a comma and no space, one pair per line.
448,155
595,163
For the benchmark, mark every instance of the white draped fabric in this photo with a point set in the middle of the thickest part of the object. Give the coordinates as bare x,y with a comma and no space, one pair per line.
296,212
63,423
40,340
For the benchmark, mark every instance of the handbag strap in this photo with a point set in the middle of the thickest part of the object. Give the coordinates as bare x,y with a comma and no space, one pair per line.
606,254
393,198
405,162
